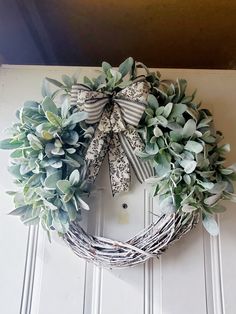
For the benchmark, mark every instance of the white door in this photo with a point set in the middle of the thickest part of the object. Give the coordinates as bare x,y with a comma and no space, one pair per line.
197,275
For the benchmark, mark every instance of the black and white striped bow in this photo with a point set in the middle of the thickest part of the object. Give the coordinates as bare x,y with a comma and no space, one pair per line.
117,115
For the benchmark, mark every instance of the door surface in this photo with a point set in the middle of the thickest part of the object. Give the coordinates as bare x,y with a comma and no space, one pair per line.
197,275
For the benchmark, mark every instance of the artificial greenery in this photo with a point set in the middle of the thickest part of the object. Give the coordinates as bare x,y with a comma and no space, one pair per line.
47,162
188,160
49,142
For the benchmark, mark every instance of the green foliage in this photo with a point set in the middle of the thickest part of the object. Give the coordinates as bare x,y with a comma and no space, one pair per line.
49,143
111,79
184,147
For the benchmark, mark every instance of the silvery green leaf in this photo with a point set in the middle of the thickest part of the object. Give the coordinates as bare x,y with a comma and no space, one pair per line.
224,149
116,75
187,179
67,80
210,225
67,197
74,177
176,136
211,200
188,165
31,221
180,120
206,185
167,206
226,171
71,150
75,118
88,82
64,186
149,112
189,128
57,164
210,139
177,110
45,91
204,122
51,181
142,154
218,187
206,174
58,151
175,127
193,146
181,84
34,142
48,105
106,66
167,109
178,148
193,113
20,210
157,131
154,180
162,120
198,134
126,66
65,107
72,162
10,144
151,149
187,208
153,140
152,121
72,138
53,118
46,135
152,101
159,111
218,208
59,226
54,82
49,205
70,207
82,203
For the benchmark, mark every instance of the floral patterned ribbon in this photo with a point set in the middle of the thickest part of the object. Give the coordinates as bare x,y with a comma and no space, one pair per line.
117,116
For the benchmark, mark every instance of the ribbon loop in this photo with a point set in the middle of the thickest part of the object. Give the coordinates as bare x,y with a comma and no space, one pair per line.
117,115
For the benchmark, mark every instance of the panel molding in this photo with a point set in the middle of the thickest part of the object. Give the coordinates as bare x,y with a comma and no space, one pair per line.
29,270
93,273
148,266
213,273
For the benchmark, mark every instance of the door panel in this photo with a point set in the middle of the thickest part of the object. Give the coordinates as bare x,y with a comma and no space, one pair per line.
196,275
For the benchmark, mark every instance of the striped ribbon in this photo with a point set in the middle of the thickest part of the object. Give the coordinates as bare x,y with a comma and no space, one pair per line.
117,115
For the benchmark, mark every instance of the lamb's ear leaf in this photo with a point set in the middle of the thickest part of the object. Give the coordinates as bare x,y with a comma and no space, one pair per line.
64,186
126,66
19,210
10,144
48,105
74,177
54,82
210,225
53,118
106,66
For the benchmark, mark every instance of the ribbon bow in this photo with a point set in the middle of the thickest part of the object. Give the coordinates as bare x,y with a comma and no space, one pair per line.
117,116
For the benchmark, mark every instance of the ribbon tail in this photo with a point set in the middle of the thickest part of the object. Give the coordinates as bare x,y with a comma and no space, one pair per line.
131,141
96,153
118,166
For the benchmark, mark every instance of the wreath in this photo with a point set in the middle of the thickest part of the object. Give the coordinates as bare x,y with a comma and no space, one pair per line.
139,121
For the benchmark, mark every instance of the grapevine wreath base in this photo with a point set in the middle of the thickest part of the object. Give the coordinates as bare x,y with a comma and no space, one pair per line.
60,143
150,242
